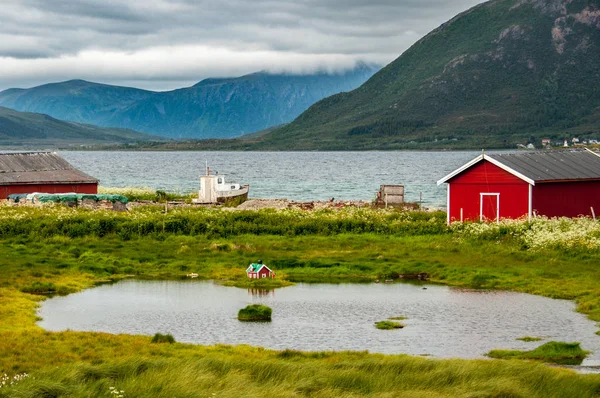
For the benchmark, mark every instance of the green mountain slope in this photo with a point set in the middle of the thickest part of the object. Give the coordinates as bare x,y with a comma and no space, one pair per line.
492,76
219,108
21,128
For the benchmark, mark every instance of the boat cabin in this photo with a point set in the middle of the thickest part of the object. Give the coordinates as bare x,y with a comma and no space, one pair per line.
215,189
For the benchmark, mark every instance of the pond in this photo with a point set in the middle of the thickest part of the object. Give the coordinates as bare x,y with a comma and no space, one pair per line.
442,322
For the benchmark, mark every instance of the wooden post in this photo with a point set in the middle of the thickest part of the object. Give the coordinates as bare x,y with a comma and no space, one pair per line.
461,214
386,204
593,213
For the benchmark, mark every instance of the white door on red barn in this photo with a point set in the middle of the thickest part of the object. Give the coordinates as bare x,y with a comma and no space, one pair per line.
489,206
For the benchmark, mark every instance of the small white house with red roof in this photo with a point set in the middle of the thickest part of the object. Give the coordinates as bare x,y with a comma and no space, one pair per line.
259,270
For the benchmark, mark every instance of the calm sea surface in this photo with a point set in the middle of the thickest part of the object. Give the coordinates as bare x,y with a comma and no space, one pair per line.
300,176
442,322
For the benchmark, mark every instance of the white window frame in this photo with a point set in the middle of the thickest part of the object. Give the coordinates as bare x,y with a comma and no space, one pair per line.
497,195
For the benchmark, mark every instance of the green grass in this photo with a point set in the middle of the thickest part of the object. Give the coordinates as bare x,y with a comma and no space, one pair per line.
388,325
529,339
553,352
75,250
398,318
255,313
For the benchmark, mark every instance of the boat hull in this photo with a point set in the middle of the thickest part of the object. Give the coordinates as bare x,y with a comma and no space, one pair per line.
238,195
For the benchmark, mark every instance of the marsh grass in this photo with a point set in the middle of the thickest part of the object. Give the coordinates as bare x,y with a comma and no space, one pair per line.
38,287
74,249
246,371
255,313
553,352
388,325
398,318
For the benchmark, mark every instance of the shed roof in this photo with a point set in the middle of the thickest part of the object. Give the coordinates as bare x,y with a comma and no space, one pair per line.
257,267
554,165
547,166
39,168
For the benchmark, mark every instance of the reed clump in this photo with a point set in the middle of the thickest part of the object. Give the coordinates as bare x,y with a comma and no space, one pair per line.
38,287
163,338
255,313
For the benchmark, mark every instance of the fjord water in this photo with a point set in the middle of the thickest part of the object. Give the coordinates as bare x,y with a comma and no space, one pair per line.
300,176
442,321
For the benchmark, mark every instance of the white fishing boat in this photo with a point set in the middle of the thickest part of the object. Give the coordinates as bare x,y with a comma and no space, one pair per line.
215,189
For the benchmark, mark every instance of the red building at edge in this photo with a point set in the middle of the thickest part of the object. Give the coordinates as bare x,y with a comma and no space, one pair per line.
29,172
553,184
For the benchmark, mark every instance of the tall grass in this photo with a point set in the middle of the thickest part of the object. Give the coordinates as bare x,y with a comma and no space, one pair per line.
237,372
143,221
138,194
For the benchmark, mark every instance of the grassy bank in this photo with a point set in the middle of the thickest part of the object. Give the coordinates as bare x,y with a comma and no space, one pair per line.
67,250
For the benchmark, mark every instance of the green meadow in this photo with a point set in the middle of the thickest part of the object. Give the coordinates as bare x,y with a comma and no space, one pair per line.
60,251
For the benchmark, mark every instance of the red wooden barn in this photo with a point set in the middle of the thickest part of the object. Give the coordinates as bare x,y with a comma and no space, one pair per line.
553,184
28,172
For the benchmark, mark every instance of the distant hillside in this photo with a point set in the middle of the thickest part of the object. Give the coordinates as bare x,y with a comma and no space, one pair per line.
21,128
219,108
503,72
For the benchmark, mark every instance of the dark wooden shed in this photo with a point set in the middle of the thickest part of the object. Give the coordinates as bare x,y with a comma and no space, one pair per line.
562,183
28,172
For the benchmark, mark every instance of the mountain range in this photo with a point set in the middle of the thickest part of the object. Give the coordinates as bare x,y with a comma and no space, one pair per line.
34,129
501,73
213,108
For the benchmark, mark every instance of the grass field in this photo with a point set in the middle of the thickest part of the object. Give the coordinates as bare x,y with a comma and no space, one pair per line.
48,256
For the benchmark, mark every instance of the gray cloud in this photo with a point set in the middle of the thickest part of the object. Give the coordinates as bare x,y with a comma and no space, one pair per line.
162,44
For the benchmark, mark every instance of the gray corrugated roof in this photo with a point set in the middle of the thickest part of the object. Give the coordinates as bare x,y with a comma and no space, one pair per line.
553,165
39,167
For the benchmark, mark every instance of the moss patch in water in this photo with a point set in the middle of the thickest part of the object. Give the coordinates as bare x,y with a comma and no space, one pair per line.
551,352
388,325
528,339
255,313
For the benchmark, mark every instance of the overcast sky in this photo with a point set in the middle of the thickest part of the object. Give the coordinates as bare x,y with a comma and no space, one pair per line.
166,44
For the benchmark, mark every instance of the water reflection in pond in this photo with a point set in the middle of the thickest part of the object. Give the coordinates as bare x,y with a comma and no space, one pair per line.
442,322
